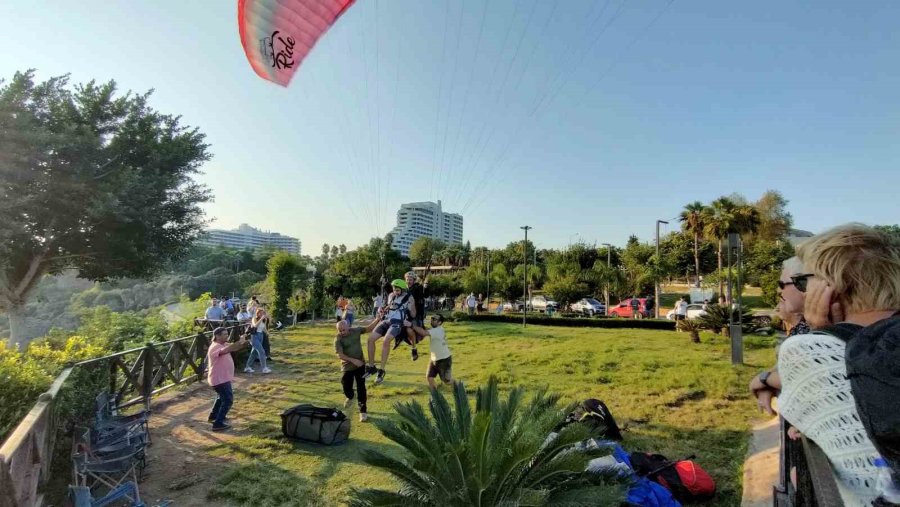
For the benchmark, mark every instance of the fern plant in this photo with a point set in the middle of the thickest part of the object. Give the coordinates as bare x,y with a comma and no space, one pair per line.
498,455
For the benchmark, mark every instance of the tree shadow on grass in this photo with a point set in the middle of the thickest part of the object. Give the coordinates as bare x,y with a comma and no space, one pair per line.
265,484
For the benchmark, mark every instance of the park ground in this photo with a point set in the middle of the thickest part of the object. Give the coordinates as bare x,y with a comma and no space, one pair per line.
673,397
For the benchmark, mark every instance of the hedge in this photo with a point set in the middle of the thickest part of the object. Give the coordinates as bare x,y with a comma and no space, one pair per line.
611,323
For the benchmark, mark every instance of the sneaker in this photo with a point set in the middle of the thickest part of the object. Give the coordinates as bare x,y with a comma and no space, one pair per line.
363,417
348,403
267,370
248,370
415,354
370,370
223,427
380,378
213,419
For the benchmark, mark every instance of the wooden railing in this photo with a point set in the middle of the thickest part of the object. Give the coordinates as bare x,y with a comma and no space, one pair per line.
813,483
135,376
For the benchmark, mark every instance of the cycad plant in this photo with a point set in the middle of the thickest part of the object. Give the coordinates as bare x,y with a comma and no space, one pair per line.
498,455
691,326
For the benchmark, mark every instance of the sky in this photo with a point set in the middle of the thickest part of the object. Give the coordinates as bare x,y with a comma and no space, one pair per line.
586,120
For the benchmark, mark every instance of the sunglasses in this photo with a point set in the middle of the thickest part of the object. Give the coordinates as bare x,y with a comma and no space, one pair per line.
798,281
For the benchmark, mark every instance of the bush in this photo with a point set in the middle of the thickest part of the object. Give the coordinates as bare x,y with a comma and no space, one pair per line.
717,318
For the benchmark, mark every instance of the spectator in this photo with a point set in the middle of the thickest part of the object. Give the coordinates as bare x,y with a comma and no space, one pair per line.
253,305
470,303
681,309
229,304
243,316
349,312
348,347
257,330
853,277
480,306
220,375
649,305
635,307
215,312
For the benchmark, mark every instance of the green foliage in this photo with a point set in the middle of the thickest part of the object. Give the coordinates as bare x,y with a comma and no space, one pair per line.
774,220
598,322
497,454
283,267
566,289
424,250
124,201
718,317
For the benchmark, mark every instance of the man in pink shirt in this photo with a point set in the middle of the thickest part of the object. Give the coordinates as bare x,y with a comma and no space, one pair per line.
220,375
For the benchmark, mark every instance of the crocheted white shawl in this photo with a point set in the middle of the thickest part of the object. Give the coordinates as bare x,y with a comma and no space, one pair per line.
816,399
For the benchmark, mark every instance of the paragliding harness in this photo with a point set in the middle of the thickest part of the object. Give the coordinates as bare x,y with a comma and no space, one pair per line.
397,313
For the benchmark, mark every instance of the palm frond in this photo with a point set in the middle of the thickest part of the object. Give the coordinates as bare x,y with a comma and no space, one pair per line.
408,476
380,498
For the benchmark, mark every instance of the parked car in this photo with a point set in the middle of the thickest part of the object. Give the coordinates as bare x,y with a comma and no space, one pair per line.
513,306
623,309
589,307
693,311
541,304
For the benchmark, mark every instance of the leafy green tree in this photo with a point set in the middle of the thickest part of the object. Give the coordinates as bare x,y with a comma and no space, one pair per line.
497,455
92,181
423,251
283,268
475,280
774,220
725,217
893,230
692,222
566,289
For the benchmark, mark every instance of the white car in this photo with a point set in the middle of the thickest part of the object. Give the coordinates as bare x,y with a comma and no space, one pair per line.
693,311
589,307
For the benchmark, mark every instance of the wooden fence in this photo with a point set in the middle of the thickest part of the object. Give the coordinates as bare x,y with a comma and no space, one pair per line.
135,376
815,484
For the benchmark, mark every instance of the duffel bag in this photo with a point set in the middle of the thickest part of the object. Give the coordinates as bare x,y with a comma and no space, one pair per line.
315,424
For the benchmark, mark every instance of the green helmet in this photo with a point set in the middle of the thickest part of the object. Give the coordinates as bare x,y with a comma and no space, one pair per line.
399,283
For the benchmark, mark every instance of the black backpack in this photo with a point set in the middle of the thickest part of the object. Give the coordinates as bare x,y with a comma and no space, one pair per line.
598,416
872,358
315,424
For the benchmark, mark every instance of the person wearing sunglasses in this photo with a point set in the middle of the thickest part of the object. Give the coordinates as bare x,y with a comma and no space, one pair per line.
851,279
767,384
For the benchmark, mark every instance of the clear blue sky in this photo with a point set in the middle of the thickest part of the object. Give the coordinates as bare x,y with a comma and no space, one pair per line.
582,119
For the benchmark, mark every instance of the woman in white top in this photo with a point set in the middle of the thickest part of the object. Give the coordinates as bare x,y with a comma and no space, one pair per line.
257,330
848,280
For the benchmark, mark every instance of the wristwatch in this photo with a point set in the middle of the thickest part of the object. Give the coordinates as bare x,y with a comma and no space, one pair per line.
764,378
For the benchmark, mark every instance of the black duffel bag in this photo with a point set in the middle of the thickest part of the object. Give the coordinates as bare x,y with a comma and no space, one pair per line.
327,426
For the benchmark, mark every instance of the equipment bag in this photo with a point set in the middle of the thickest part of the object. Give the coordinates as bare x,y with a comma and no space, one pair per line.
315,424
872,357
685,479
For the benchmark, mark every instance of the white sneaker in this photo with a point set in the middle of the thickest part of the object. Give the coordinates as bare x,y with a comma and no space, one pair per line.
348,403
267,370
248,370
363,417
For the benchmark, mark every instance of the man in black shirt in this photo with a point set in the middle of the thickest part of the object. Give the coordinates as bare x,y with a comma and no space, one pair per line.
418,291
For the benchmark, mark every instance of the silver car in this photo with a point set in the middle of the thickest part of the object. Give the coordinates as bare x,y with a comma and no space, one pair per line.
589,307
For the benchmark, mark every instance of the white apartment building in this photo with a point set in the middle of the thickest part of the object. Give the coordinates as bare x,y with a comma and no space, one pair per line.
247,237
421,219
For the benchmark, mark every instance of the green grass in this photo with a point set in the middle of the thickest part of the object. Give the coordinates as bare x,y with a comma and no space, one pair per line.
674,397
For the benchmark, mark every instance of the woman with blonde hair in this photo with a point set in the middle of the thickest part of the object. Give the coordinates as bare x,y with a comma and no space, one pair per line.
852,279
257,331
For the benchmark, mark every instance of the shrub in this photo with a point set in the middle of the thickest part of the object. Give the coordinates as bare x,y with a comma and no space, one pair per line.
572,322
691,326
717,318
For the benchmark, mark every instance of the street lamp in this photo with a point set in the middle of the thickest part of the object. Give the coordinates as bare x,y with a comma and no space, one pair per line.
656,278
608,256
525,275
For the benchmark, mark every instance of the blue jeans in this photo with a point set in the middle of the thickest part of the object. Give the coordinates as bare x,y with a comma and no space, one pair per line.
349,318
224,399
256,341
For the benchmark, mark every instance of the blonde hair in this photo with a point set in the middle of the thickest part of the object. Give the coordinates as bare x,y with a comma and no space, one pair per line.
860,263
793,266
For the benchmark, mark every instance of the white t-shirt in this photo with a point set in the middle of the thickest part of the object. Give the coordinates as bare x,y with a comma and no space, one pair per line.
439,348
681,307
471,301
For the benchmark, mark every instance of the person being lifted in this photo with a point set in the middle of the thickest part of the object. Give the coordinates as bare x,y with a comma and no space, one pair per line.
398,313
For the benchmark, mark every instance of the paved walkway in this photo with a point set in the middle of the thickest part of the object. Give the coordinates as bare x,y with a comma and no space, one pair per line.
761,467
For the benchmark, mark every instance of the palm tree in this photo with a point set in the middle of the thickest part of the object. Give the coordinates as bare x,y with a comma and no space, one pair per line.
718,222
498,455
692,221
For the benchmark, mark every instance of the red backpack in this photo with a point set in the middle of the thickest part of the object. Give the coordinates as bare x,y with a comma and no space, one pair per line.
685,479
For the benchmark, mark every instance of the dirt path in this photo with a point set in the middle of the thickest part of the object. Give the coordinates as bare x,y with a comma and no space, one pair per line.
177,467
761,467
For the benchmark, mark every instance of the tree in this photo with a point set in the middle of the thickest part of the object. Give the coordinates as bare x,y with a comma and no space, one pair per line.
283,267
497,455
725,217
91,181
774,220
692,222
423,251
892,230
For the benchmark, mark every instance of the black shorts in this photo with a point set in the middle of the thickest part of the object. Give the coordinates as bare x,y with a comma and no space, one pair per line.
441,367
679,317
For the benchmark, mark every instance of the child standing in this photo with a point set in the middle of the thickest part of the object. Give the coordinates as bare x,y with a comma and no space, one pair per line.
441,362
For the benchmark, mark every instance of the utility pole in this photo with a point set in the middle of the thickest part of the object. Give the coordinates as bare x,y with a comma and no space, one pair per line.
525,274
608,257
656,279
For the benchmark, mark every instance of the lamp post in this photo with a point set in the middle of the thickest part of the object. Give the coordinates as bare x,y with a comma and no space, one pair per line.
525,275
608,256
656,279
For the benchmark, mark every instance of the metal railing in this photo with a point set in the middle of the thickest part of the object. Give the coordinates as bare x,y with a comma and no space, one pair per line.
135,376
806,478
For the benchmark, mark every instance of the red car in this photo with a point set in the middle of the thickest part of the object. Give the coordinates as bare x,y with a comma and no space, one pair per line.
623,309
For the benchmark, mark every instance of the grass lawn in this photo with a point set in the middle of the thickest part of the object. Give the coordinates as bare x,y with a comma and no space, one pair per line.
674,397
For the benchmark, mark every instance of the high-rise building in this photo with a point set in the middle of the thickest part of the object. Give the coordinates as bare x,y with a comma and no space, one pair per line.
425,219
245,237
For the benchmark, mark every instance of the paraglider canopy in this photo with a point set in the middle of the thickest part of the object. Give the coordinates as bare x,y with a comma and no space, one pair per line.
278,34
